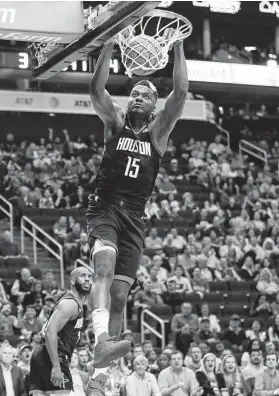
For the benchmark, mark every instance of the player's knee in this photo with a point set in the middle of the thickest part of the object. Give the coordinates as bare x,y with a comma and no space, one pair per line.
118,301
103,257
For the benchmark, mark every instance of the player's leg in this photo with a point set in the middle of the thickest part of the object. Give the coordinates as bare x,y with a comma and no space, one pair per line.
119,294
103,230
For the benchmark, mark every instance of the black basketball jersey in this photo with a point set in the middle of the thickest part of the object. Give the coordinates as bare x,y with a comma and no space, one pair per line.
129,166
69,335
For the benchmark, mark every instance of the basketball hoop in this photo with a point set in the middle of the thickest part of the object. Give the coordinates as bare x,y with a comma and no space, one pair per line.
160,28
40,52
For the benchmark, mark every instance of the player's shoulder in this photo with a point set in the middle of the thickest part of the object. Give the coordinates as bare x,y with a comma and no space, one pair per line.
67,303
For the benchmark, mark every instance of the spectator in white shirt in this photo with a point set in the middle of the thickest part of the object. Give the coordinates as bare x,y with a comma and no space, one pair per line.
178,242
254,246
140,382
162,274
216,147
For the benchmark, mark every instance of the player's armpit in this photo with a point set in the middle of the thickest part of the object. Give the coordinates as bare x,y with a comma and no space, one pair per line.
66,310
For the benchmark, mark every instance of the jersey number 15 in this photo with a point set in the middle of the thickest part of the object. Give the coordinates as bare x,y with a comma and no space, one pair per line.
132,167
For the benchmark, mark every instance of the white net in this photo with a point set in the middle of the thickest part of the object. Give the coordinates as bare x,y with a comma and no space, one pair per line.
41,52
145,44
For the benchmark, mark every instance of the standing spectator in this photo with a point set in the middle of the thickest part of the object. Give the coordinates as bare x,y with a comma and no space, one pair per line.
140,381
11,377
209,378
177,380
267,383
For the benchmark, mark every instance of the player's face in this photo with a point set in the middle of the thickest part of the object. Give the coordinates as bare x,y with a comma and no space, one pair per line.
141,101
83,282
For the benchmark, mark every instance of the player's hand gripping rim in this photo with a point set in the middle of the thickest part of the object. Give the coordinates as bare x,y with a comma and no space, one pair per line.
57,377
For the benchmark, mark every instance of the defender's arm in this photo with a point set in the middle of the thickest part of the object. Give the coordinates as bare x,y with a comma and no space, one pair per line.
101,99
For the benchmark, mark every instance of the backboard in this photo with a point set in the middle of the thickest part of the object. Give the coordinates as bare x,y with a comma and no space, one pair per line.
62,32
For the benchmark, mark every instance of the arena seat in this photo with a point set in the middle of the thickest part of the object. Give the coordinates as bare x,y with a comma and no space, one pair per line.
232,297
17,262
163,311
2,262
245,286
193,298
220,286
214,297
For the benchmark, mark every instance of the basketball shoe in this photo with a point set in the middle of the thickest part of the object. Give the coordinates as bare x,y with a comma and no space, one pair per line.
108,349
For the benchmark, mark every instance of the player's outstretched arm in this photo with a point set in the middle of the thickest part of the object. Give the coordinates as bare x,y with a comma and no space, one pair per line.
166,119
66,310
101,99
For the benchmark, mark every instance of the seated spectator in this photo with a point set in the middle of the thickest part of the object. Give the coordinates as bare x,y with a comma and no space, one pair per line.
235,335
166,187
165,209
275,305
266,283
194,358
60,229
46,202
36,296
153,366
117,376
178,241
30,323
137,350
261,308
256,333
204,334
174,170
83,247
9,323
268,380
273,331
140,380
164,361
209,378
25,353
157,286
248,270
234,382
171,296
214,325
252,370
157,262
49,303
184,339
211,206
48,284
216,147
205,272
60,201
185,317
13,384
254,246
80,199
71,245
79,377
176,377
36,339
171,149
146,298
199,285
23,285
153,241
7,246
183,284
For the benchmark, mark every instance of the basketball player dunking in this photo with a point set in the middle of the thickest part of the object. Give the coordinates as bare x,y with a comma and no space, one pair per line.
50,372
135,141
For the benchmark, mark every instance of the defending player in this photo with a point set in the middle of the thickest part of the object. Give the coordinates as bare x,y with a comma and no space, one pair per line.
135,140
50,373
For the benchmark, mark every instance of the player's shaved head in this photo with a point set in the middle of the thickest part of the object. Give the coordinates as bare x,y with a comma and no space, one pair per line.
78,271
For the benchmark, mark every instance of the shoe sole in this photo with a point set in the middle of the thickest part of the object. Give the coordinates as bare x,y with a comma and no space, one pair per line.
119,350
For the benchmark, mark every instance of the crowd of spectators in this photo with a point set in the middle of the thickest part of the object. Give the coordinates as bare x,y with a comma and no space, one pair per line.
213,225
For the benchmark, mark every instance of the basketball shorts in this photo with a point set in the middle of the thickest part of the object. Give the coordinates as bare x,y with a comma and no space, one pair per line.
116,225
40,372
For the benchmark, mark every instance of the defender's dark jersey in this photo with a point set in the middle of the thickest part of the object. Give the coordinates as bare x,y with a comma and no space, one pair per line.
68,336
129,167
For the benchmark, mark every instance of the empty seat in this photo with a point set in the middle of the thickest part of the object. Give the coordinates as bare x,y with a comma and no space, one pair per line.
231,297
214,297
17,262
236,286
163,311
192,298
218,286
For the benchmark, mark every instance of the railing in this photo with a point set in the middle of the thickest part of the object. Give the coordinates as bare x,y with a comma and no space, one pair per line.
146,326
125,323
35,229
225,135
252,149
8,212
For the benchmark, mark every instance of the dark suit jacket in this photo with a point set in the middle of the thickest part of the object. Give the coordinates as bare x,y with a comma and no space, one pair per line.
18,381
